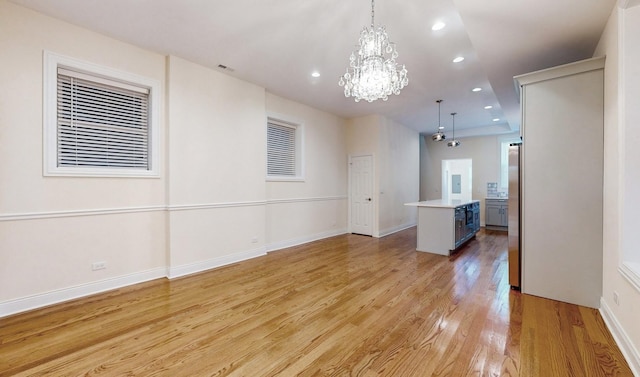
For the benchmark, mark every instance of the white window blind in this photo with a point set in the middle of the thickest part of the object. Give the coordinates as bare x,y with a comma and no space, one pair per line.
101,123
281,150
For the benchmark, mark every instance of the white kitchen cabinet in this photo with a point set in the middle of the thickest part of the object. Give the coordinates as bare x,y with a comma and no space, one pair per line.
561,185
496,212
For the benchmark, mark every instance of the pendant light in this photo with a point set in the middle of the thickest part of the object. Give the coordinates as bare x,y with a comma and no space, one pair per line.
438,136
453,143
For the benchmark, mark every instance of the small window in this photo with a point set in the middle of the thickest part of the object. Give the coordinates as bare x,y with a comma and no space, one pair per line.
96,124
504,163
284,150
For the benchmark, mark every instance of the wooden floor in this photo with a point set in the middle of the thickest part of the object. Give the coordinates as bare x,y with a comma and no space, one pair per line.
345,306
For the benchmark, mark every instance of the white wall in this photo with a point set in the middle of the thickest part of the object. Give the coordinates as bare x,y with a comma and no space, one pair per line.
299,212
483,151
398,171
211,205
217,137
619,43
53,228
396,154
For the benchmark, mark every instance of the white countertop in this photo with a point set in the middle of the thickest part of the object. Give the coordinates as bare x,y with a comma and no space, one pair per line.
440,203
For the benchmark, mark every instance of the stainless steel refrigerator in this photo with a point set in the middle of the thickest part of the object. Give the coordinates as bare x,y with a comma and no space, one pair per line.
514,216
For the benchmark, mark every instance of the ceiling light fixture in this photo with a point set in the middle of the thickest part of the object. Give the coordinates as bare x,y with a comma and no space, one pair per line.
315,74
488,107
453,143
496,119
458,59
476,89
438,26
372,75
438,136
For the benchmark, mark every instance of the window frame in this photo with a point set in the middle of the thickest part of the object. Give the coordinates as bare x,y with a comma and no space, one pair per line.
51,63
298,126
503,153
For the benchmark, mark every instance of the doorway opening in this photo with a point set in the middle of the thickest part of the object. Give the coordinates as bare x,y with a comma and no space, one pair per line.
457,179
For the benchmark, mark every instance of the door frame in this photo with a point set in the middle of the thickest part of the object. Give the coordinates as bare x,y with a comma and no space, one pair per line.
374,196
446,180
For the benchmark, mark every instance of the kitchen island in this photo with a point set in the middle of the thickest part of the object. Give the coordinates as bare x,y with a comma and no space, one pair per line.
444,225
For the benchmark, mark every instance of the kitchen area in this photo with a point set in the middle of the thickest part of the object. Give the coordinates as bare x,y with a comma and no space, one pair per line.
534,198
445,224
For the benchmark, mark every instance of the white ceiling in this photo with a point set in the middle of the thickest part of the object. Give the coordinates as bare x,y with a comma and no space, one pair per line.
278,43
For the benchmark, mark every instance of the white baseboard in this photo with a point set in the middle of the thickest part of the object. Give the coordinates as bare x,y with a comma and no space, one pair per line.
302,240
629,351
396,229
192,268
60,295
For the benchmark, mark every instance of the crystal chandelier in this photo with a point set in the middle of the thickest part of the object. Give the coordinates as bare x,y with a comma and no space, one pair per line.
372,72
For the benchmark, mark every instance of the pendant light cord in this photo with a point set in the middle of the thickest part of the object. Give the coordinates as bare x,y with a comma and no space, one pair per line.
453,122
439,102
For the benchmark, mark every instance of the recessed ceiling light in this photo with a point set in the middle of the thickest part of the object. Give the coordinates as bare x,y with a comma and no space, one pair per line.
315,74
476,89
496,119
458,59
488,107
438,26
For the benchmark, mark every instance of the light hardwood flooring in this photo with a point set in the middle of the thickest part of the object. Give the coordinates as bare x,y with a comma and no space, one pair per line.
345,306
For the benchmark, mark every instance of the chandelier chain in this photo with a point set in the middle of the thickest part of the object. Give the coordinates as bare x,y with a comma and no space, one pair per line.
372,7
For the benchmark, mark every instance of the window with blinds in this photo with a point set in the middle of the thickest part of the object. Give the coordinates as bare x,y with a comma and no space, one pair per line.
281,150
285,149
101,123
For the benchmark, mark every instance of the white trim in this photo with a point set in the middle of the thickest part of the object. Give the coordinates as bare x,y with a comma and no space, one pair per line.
65,294
77,213
51,63
626,4
581,66
188,207
302,240
275,178
179,207
303,200
629,351
200,266
396,229
631,271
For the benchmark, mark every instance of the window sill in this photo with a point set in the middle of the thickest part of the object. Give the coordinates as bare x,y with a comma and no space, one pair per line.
631,271
285,179
100,173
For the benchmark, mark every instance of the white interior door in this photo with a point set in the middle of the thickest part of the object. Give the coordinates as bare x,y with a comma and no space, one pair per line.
361,195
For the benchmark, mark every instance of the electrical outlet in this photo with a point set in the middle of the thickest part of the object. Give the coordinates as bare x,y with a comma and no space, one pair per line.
616,298
98,266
